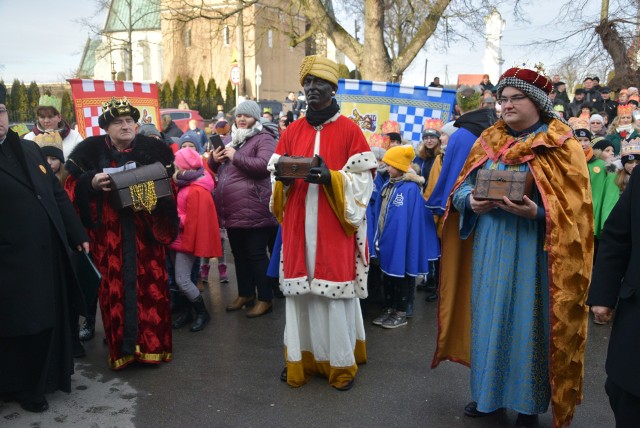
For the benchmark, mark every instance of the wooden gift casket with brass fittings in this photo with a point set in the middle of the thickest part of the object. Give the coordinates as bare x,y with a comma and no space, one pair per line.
295,166
140,188
493,185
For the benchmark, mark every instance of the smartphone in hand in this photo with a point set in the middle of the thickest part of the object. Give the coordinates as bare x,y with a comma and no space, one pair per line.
216,142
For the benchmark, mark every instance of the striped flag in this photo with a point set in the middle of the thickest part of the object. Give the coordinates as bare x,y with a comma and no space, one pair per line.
370,104
88,96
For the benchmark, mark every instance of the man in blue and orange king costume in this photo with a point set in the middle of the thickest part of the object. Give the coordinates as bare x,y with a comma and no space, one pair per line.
515,277
127,246
324,263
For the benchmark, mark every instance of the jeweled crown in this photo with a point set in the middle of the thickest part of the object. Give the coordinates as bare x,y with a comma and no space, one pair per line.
122,106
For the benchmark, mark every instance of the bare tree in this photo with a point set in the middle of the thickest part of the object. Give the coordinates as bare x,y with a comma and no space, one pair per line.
121,23
615,32
394,30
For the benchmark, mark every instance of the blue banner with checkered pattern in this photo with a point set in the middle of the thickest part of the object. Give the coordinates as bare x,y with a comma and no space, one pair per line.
370,104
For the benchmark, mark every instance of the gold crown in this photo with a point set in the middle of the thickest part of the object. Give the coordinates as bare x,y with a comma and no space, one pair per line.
122,106
390,126
379,140
49,139
578,123
538,67
625,109
432,124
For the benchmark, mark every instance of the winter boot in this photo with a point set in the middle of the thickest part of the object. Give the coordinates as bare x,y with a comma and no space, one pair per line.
422,284
202,315
432,281
178,302
186,316
77,350
204,273
88,329
222,270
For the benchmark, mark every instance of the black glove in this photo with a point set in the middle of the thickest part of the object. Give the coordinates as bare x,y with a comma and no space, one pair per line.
319,174
285,181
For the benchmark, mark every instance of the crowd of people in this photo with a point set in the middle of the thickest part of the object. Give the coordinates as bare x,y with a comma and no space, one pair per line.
314,212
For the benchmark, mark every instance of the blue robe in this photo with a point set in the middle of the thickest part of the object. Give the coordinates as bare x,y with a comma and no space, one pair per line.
273,271
509,306
372,213
458,149
408,240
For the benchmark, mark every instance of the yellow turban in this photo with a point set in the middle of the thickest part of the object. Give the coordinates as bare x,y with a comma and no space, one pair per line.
320,67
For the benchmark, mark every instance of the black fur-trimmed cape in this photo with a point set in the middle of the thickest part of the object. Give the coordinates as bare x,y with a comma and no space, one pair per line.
94,154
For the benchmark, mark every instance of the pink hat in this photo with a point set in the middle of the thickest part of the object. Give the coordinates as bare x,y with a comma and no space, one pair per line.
187,158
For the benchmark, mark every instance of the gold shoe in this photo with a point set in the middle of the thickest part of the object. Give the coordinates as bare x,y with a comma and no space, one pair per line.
239,303
260,309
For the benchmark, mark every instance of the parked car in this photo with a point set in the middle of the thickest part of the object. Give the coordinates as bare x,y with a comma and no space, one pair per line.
182,117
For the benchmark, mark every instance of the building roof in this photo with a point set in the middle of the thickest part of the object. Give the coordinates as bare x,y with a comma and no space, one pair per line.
88,61
145,15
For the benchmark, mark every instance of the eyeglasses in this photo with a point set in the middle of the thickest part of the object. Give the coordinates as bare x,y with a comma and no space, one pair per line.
3,110
514,100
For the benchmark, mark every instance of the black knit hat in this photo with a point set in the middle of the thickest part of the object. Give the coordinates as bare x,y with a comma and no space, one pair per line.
602,143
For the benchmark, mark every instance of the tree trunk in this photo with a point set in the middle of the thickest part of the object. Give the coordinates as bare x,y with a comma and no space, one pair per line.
625,75
240,41
129,46
375,62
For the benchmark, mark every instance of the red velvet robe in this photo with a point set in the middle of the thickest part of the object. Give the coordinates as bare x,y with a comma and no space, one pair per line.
152,232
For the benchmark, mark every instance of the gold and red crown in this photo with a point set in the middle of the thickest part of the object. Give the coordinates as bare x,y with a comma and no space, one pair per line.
626,109
578,123
432,124
534,76
379,140
390,126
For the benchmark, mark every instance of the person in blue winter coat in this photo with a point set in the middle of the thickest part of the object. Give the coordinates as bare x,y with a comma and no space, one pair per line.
197,135
405,238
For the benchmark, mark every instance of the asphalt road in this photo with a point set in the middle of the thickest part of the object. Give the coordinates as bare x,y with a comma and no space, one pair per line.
228,376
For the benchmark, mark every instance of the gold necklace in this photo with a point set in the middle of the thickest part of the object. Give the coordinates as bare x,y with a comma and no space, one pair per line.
143,196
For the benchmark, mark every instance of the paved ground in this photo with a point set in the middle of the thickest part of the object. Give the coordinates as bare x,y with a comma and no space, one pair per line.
228,376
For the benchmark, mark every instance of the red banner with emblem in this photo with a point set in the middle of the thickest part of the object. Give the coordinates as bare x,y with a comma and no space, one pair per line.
88,96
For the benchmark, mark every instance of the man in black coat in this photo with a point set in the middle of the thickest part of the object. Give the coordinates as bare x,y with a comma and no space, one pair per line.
616,284
38,288
609,106
574,108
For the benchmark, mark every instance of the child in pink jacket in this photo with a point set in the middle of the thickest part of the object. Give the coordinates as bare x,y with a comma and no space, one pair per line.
198,235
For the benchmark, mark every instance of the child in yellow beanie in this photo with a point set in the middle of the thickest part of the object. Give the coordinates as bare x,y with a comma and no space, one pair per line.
404,227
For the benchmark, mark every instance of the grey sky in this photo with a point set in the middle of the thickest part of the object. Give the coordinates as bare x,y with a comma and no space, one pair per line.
42,42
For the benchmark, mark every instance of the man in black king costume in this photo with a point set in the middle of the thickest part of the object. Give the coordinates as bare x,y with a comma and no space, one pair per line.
127,246
38,224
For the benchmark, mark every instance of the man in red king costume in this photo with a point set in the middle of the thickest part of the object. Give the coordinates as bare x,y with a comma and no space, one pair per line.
325,259
126,246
